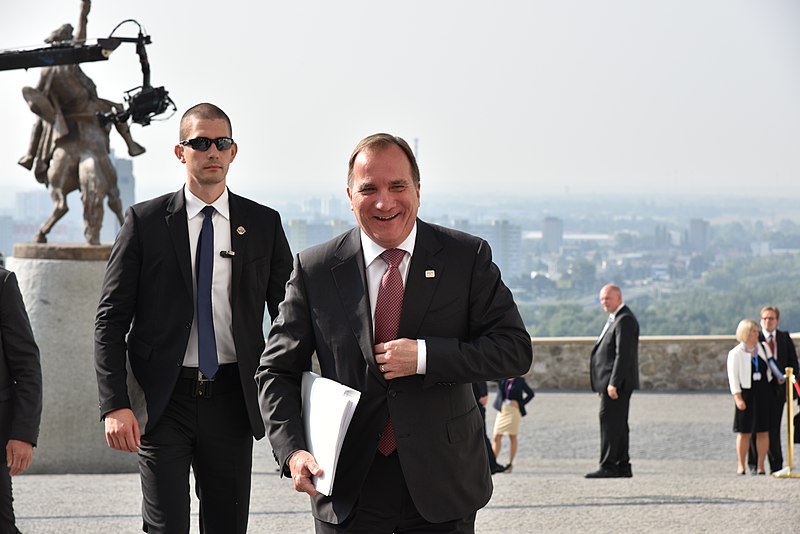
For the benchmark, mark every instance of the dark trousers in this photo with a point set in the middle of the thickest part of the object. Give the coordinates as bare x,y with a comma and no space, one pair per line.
614,432
775,453
7,520
385,506
212,434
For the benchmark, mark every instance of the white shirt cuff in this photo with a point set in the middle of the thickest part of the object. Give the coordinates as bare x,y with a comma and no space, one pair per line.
422,357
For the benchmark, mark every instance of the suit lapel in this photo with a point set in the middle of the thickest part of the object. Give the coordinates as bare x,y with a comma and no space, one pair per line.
424,273
349,275
608,327
239,243
179,234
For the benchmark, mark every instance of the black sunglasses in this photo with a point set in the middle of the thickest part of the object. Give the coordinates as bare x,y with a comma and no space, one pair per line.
204,143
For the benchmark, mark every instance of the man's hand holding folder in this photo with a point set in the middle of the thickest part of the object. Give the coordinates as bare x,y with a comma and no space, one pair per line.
328,407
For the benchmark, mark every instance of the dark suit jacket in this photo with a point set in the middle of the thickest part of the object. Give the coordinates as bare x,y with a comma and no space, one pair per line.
785,355
455,301
20,368
148,290
520,391
615,356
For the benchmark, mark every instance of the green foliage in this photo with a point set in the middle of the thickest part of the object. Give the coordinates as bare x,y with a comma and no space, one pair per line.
712,305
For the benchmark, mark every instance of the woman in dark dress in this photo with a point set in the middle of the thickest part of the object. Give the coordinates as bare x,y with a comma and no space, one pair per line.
749,377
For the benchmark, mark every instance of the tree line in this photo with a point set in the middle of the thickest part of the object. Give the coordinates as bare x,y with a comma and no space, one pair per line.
713,304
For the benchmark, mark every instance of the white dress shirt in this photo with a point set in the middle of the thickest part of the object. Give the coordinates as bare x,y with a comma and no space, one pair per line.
221,277
375,269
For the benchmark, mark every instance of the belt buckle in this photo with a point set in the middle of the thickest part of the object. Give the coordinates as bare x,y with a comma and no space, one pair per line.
202,386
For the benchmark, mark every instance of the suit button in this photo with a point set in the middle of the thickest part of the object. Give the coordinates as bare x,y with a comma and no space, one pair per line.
392,393
188,325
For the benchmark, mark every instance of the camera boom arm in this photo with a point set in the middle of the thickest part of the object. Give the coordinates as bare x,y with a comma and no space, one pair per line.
143,105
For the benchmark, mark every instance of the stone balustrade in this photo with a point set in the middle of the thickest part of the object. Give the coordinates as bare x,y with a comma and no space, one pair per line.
665,362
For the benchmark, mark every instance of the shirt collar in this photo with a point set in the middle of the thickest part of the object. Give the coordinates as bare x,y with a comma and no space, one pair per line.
767,333
613,314
372,250
194,204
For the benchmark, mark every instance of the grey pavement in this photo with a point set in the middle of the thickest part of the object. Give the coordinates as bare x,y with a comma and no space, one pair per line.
682,451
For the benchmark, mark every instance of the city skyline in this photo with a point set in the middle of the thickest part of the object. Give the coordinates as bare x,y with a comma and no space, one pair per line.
512,99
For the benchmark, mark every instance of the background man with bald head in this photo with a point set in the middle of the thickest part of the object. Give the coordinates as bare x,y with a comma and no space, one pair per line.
614,372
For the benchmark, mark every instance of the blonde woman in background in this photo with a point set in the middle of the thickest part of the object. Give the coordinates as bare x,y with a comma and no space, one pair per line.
749,376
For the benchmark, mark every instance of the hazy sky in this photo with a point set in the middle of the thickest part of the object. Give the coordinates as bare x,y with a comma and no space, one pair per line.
507,97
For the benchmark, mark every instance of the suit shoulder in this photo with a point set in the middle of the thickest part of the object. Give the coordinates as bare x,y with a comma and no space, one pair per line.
452,237
628,318
151,206
329,251
252,206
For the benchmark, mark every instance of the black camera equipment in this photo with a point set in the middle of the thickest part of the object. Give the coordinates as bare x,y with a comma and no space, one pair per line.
141,103
144,102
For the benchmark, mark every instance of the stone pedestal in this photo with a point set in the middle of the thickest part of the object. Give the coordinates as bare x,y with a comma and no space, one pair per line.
61,288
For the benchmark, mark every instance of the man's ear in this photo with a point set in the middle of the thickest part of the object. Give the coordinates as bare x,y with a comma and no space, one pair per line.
179,153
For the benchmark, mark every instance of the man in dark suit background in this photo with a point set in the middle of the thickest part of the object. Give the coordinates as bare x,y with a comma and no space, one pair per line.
614,374
20,392
782,349
414,457
149,346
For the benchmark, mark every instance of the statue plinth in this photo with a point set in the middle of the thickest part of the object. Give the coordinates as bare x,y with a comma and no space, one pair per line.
62,251
61,287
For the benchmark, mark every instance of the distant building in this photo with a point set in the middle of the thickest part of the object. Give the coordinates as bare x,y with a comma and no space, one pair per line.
302,234
6,235
552,234
506,242
698,235
662,238
127,186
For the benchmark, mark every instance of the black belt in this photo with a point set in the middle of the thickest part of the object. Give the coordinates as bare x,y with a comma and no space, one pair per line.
191,382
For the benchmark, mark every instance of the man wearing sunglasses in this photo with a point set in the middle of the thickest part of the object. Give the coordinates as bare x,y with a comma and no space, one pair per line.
179,334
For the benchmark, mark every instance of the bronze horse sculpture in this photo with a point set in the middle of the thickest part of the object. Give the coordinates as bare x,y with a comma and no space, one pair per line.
69,147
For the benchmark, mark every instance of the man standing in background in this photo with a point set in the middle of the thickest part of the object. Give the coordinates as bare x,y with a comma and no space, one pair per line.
782,349
614,374
20,392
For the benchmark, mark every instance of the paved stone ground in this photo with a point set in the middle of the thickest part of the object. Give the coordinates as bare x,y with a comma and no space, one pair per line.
682,451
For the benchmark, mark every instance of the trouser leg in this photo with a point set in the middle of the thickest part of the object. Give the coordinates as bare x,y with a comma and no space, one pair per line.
614,431
164,459
7,520
775,453
223,462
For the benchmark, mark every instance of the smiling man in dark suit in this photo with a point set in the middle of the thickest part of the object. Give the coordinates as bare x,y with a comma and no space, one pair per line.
179,334
614,373
414,458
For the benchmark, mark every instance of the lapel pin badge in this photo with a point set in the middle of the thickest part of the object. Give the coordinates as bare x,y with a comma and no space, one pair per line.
430,273
240,230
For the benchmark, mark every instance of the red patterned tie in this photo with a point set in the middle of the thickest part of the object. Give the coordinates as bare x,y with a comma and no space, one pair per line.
387,319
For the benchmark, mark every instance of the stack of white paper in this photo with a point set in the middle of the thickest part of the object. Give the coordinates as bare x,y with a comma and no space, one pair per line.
328,407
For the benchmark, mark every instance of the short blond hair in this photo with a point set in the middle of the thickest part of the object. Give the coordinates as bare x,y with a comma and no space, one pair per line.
745,327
